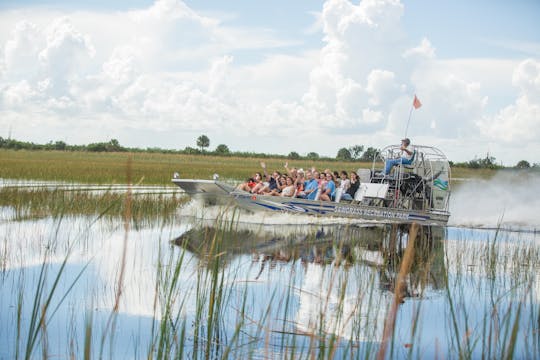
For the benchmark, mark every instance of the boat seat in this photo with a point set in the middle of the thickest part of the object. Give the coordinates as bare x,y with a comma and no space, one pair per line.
377,191
338,195
364,175
412,164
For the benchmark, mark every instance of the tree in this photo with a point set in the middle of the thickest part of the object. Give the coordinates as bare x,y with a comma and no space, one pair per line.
96,147
60,145
222,149
523,164
293,155
203,142
190,151
344,154
113,145
486,163
356,151
369,154
312,156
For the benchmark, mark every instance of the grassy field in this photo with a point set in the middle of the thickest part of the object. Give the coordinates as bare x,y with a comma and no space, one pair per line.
111,168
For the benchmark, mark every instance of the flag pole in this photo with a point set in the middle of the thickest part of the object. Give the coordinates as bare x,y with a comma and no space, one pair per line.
409,120
415,105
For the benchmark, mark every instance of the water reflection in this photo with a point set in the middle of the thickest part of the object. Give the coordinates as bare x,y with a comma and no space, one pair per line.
279,289
345,275
377,247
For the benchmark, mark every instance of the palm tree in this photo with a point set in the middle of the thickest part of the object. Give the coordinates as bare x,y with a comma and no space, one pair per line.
203,142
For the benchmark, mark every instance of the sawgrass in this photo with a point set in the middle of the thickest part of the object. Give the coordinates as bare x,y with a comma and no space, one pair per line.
149,168
42,202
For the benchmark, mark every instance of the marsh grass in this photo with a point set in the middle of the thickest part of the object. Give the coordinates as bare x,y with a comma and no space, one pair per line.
39,203
510,270
45,302
109,168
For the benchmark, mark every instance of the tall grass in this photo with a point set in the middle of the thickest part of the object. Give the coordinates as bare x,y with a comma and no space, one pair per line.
509,269
41,202
109,168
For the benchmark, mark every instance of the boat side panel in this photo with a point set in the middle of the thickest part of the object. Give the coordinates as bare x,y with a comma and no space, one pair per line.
255,203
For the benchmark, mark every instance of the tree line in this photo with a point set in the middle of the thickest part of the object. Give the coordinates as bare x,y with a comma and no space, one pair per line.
353,153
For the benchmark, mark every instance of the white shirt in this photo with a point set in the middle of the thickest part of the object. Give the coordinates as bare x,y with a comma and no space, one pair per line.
406,155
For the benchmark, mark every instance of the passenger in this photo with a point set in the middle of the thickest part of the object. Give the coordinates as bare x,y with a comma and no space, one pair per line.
321,185
405,157
311,185
344,183
271,182
354,185
251,183
282,183
306,177
299,182
289,189
292,172
328,192
337,178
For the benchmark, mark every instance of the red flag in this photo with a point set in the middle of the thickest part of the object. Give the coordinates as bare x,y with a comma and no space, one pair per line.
416,103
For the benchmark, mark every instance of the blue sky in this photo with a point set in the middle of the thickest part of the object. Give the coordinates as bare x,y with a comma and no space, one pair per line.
274,76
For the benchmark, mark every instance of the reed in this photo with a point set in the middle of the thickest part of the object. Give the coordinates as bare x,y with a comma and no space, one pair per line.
38,203
398,293
46,300
506,267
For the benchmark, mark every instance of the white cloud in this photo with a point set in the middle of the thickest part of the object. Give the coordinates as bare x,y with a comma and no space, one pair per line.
21,51
527,78
519,122
381,86
123,65
168,68
424,50
16,95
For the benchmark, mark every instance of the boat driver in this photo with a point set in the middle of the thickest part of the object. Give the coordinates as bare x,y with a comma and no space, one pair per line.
404,159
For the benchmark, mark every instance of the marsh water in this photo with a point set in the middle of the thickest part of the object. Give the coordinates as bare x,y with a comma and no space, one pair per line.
210,282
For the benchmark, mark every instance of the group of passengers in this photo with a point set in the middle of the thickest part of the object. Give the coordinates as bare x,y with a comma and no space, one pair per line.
309,184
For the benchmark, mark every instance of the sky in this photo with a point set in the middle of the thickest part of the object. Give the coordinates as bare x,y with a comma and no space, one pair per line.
275,76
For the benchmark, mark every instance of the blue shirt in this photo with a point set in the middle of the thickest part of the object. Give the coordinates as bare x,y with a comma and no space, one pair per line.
309,185
332,186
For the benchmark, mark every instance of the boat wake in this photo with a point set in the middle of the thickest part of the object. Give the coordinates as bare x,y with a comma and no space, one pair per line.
508,201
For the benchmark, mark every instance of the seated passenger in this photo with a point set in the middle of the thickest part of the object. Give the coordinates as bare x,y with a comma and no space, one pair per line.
405,157
329,189
270,183
281,184
344,183
251,183
299,182
311,185
289,188
337,178
291,172
354,184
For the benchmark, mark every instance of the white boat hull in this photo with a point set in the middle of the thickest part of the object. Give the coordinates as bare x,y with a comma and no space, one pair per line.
217,192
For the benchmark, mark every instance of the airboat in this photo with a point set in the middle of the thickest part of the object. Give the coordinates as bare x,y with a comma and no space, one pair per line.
418,192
